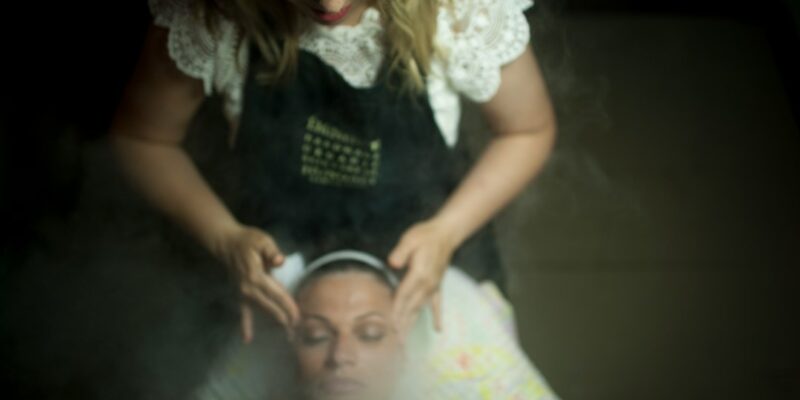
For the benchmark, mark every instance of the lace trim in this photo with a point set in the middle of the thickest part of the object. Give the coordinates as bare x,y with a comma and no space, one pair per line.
189,43
355,52
483,37
476,38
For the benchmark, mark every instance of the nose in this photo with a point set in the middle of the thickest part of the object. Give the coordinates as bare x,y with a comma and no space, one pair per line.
344,352
332,5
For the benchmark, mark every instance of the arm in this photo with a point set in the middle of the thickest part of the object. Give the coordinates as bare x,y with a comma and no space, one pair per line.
521,118
524,127
147,133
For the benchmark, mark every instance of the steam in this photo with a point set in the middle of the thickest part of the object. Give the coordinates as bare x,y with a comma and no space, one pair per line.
113,302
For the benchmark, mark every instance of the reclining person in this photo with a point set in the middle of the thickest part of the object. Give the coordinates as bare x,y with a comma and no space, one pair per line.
347,345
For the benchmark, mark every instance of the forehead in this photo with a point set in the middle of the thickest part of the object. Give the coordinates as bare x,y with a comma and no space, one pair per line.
341,294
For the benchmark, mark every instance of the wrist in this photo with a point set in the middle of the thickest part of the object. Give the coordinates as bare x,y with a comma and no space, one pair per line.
215,235
452,229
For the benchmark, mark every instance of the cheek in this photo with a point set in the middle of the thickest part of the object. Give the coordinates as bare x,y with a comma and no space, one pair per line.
381,363
381,366
311,361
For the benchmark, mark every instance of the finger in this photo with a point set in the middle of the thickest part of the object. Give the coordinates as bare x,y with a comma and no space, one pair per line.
436,310
425,288
271,289
250,264
272,259
404,291
271,308
415,304
271,253
247,323
413,301
410,283
400,255
275,291
256,295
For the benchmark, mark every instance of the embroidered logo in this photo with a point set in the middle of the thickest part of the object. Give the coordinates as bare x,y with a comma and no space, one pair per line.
332,157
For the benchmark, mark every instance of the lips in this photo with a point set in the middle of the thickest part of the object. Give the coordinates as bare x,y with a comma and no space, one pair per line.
331,17
341,386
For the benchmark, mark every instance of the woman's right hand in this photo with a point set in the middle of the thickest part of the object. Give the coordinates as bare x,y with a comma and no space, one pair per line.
147,133
251,253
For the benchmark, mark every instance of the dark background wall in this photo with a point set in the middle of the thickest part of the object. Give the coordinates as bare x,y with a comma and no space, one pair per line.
655,258
659,255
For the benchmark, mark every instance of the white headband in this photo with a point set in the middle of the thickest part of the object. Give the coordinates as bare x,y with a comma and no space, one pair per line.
344,255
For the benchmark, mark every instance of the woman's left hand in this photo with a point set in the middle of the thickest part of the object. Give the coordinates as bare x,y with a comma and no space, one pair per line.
424,250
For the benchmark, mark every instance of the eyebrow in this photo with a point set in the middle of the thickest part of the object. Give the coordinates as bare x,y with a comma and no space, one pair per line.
370,314
317,317
358,318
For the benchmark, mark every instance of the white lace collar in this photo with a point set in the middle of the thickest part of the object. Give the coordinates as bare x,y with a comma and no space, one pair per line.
370,22
356,52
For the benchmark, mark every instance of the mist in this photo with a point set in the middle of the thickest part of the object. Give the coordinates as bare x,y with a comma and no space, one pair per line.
657,246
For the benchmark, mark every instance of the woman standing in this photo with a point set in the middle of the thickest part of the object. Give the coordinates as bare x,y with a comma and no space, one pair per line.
343,116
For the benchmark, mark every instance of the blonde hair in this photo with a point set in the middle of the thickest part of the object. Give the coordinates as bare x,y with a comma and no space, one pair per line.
275,27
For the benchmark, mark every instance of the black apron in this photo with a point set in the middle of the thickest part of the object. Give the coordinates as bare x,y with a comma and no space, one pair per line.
324,165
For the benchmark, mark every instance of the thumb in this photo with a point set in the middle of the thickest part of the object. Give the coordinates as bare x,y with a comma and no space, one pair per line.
400,256
271,255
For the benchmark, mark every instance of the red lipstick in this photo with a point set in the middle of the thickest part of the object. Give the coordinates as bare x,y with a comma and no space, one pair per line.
332,17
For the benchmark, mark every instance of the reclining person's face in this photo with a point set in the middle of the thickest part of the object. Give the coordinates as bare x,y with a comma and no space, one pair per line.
346,344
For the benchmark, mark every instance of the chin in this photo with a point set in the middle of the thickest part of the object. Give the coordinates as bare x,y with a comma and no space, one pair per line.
319,394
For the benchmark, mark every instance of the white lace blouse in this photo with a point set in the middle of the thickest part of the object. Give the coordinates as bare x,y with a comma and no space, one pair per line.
476,37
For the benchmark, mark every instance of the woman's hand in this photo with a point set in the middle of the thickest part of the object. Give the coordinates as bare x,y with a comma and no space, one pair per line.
425,251
147,133
523,121
251,253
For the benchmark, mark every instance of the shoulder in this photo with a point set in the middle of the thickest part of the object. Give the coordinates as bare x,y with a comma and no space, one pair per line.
193,46
476,38
477,13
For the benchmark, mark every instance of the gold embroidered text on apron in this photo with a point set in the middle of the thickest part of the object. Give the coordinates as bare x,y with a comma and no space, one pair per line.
334,158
